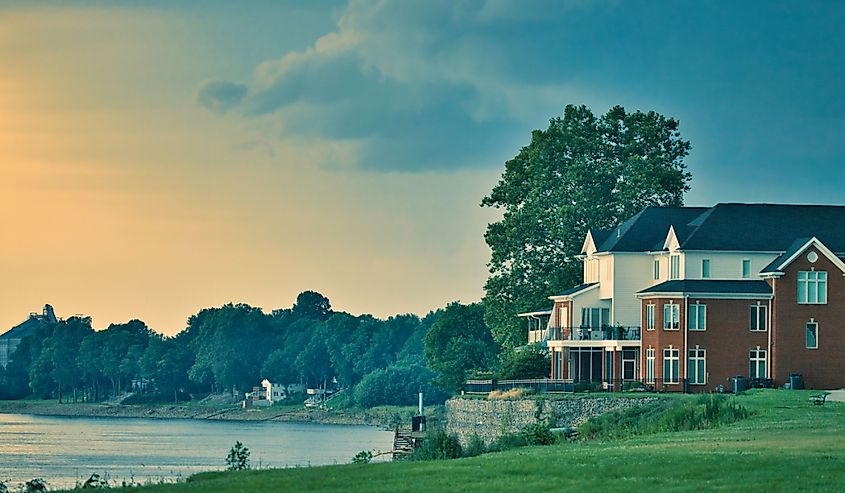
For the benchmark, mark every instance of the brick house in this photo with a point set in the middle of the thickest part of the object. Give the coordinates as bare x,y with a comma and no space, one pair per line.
679,296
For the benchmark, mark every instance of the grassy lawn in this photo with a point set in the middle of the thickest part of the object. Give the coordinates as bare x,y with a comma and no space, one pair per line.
786,445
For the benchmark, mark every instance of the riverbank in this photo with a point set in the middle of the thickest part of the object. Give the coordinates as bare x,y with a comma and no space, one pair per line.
385,417
787,444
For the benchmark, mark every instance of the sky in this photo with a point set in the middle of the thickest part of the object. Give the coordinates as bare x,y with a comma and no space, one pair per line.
161,157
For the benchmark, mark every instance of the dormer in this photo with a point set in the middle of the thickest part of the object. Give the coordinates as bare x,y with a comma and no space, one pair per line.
588,256
589,247
671,244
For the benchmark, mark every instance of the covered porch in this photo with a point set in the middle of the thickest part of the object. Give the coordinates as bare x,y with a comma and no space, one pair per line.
606,366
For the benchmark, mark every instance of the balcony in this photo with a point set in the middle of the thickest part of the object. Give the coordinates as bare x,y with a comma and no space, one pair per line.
586,333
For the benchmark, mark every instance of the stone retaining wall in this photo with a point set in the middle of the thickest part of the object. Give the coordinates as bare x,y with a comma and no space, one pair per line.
490,419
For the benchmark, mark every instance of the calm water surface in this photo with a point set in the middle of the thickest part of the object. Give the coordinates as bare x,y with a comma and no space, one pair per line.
65,449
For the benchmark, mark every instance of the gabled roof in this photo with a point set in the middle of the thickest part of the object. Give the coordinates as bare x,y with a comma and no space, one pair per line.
576,290
710,286
727,227
797,248
766,227
646,231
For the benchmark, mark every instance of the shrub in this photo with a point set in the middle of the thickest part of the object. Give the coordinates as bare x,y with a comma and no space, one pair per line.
475,446
528,362
707,411
508,441
363,457
515,393
438,446
238,458
539,434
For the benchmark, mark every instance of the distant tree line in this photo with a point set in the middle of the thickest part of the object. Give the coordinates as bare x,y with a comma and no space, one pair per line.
235,346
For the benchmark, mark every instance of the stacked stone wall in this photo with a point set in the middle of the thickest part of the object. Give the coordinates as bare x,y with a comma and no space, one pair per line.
489,419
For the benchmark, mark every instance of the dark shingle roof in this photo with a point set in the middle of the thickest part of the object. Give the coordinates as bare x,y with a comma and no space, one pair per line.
767,227
647,230
727,227
711,286
790,251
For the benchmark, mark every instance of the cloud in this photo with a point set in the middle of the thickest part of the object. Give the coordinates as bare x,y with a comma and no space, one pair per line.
444,84
413,85
221,96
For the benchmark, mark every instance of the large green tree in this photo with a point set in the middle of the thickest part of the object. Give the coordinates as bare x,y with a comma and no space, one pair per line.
584,171
457,343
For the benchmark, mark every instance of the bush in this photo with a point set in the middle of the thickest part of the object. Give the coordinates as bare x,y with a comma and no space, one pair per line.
363,457
438,446
539,434
707,411
508,441
475,446
238,458
529,362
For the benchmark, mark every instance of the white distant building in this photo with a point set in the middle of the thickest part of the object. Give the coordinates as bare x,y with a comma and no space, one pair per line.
274,392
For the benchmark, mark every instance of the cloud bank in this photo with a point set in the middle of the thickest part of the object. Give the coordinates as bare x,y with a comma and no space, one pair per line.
439,84
414,85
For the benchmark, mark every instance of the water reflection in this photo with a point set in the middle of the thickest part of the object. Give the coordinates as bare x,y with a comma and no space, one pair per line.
63,450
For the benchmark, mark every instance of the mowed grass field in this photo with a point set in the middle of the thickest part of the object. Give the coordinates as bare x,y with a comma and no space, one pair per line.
786,445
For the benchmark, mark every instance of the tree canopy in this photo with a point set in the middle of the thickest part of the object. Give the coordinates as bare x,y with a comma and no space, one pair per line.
458,342
584,171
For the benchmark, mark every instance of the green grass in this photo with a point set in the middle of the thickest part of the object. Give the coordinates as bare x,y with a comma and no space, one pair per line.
787,444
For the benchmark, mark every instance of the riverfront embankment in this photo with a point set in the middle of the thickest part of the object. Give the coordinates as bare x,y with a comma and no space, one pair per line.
386,416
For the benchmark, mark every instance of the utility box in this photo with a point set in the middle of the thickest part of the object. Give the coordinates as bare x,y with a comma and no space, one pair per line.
796,381
738,384
418,424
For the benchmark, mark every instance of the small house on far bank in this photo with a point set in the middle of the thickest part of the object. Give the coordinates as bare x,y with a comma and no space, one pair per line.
273,392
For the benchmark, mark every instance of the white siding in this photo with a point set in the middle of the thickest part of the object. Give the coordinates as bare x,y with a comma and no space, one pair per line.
606,276
590,299
634,272
725,265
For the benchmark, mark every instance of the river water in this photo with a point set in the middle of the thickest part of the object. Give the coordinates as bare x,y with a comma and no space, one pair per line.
64,450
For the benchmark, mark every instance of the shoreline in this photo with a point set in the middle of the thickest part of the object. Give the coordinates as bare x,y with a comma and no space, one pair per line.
294,414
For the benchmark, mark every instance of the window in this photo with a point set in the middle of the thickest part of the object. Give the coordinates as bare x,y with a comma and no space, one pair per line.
674,267
649,365
671,316
812,287
649,316
746,268
757,363
629,364
656,269
558,364
563,317
697,366
757,317
705,268
670,365
594,318
697,318
811,339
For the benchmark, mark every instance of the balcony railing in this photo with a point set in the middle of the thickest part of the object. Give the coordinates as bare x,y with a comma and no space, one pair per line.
586,333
